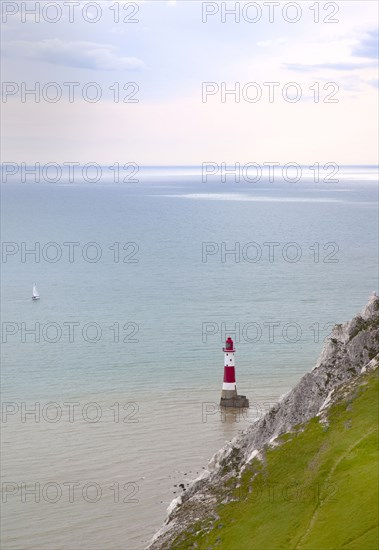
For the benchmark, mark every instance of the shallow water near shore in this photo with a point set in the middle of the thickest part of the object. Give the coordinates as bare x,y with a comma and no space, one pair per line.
130,356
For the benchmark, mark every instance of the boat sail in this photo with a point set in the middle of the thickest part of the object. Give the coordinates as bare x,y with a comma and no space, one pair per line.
35,295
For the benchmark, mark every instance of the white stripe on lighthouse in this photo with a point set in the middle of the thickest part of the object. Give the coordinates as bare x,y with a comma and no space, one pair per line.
228,386
229,360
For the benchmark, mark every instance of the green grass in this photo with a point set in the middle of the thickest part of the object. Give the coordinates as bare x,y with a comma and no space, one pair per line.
317,490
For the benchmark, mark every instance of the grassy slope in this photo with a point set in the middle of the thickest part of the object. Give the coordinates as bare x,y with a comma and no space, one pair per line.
318,490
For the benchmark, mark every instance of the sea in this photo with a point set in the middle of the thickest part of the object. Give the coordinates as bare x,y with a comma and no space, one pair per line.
111,380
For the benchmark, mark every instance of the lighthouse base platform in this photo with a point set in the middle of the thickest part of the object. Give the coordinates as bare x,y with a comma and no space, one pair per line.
236,402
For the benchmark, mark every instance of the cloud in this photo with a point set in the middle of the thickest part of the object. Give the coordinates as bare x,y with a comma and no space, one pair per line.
368,47
268,43
84,55
356,54
373,82
342,66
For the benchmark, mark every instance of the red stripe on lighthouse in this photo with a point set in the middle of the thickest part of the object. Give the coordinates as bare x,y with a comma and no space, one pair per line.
229,374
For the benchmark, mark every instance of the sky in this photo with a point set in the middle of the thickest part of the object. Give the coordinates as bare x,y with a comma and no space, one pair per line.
168,53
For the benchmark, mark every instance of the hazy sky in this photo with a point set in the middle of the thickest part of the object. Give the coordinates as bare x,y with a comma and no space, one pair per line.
169,53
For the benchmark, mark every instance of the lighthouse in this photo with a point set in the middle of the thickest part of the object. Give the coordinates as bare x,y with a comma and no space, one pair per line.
229,395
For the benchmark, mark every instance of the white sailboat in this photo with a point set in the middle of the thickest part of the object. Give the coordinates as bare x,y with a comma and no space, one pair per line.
35,295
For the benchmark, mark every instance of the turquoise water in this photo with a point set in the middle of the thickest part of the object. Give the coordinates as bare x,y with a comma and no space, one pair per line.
178,305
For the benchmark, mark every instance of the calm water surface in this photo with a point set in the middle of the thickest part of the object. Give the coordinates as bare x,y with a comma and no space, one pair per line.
126,375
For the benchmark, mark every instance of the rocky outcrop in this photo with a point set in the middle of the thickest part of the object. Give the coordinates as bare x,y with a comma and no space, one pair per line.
352,348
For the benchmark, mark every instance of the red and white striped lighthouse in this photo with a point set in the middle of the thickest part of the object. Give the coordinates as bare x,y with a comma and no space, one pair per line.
229,388
229,396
